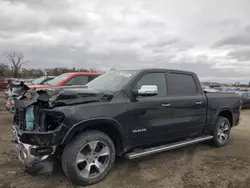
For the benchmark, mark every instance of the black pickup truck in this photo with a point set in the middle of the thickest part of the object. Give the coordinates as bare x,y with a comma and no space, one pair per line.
130,113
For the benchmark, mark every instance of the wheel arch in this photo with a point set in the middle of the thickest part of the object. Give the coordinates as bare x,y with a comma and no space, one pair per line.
226,113
109,126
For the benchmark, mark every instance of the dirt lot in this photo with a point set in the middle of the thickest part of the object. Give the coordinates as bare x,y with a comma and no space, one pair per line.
196,166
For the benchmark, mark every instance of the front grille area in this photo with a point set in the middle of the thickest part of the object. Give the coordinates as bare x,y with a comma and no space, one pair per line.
19,118
44,119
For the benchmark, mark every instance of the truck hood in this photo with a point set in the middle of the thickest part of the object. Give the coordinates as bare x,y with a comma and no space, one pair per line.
76,95
61,96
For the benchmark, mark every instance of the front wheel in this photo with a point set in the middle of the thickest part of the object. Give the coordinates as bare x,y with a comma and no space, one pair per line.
221,132
88,158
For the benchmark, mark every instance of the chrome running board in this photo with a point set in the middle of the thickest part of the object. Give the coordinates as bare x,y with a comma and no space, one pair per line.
158,149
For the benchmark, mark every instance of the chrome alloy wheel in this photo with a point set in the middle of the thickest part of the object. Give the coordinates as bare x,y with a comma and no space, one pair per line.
223,131
93,159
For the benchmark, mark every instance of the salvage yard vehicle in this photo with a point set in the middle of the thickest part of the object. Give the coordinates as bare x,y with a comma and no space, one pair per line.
130,113
245,99
41,80
63,80
244,95
14,87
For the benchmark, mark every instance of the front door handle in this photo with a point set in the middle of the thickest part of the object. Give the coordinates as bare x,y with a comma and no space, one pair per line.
166,105
198,102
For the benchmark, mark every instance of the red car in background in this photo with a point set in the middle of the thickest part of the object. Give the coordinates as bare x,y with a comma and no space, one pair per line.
68,79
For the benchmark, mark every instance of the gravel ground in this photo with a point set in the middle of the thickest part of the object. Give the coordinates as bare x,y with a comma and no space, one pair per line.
197,166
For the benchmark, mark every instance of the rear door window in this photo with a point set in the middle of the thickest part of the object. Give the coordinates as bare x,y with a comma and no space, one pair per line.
181,84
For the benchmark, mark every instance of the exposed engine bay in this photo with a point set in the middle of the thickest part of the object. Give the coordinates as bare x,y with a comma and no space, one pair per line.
35,108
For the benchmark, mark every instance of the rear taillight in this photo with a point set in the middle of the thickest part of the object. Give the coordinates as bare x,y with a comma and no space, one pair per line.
240,107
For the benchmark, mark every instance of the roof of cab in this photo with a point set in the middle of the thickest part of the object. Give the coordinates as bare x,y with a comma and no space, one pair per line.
166,70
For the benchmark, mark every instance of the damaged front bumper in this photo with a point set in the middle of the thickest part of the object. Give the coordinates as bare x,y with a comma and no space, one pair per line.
37,160
37,148
30,154
38,130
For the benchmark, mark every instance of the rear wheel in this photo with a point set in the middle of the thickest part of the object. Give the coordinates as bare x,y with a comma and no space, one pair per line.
221,133
88,158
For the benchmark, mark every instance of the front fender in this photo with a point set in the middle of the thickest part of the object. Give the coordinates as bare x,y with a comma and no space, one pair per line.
80,126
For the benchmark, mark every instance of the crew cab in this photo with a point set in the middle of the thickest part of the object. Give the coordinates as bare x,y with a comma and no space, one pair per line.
130,113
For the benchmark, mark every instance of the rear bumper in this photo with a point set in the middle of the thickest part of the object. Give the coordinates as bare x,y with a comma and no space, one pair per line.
238,121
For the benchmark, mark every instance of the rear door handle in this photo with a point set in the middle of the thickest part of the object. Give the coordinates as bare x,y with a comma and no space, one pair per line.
198,102
165,105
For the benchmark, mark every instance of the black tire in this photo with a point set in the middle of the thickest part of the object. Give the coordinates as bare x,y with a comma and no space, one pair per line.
217,140
71,151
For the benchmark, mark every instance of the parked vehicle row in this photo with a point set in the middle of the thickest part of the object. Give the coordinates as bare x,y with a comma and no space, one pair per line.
14,85
130,113
245,97
244,93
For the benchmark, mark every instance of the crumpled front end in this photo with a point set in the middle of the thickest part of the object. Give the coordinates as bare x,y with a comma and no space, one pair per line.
36,159
39,127
36,131
36,143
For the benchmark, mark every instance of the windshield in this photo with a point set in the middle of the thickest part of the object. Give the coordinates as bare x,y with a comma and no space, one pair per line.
38,81
58,79
112,81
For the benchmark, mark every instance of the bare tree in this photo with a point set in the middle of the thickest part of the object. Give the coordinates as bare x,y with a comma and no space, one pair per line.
16,59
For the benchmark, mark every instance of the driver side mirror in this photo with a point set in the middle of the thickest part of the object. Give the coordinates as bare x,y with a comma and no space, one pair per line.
147,90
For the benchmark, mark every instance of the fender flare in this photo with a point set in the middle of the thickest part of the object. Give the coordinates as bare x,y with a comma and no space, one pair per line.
80,126
218,112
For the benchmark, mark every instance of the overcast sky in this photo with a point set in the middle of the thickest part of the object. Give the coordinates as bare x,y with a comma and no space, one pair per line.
209,37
